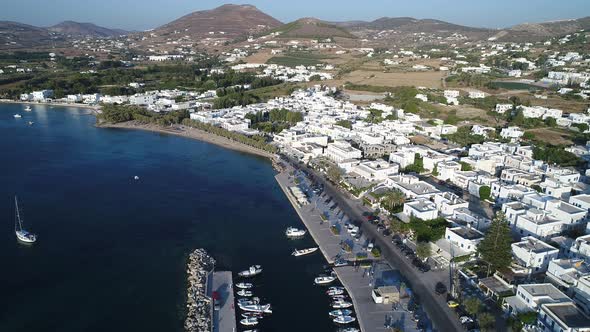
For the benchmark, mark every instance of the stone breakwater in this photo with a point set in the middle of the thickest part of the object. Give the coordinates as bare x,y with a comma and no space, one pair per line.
198,318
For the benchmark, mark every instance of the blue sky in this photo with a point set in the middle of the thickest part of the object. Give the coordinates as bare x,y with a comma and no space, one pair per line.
145,14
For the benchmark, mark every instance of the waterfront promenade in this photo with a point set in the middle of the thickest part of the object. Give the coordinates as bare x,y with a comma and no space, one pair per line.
224,319
358,281
443,318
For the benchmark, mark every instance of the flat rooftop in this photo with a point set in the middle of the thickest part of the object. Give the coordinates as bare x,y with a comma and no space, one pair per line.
569,314
534,245
467,233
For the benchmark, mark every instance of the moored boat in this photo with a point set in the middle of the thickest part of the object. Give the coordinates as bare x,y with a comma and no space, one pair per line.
340,312
251,271
243,292
344,319
22,234
324,280
339,304
251,321
244,285
17,116
293,232
302,252
349,329
332,291
261,308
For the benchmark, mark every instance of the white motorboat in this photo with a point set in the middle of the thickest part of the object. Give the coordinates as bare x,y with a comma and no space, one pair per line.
256,330
341,304
344,319
253,300
28,108
243,292
293,232
349,329
332,291
302,252
244,285
251,271
262,308
252,314
339,297
340,312
22,234
17,116
30,123
324,280
249,321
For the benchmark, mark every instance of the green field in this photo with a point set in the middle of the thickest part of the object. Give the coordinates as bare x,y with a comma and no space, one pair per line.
294,61
515,86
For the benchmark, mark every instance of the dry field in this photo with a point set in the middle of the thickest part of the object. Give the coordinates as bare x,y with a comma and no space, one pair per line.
429,79
552,136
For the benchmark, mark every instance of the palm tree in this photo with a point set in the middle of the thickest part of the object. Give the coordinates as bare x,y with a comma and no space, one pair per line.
392,199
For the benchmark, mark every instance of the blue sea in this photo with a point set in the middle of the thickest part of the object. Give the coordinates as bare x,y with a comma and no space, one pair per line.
111,253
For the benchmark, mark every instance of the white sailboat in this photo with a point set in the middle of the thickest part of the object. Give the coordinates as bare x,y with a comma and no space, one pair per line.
21,234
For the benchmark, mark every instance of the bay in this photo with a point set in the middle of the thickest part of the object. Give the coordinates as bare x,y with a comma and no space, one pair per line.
111,252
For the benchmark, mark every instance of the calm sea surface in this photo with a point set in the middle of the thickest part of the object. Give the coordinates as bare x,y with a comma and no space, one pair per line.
111,251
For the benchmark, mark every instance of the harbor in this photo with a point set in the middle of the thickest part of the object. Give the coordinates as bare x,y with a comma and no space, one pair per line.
221,291
329,227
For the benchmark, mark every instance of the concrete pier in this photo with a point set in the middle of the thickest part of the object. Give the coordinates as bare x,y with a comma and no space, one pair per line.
224,318
357,281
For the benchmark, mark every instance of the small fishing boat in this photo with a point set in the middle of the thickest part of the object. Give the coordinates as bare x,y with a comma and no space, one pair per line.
22,234
244,285
339,297
249,321
136,178
349,329
340,304
251,271
17,116
30,123
332,291
324,280
303,252
293,232
28,108
340,262
243,292
340,312
256,330
261,308
344,319
252,314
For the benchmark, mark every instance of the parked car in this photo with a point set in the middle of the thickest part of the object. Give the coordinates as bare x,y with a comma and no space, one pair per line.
452,304
465,320
440,288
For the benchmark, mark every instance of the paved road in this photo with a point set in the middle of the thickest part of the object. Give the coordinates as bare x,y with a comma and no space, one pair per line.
443,318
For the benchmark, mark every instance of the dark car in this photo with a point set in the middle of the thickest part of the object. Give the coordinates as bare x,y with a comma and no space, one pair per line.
440,288
424,268
387,232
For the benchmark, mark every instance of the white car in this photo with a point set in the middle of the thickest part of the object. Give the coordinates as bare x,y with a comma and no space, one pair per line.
465,320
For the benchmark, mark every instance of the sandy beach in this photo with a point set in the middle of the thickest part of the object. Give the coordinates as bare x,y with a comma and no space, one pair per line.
193,133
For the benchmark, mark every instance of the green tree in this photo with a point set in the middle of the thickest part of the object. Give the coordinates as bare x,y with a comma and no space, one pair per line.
528,136
495,248
334,174
435,170
344,123
486,321
484,192
417,166
472,306
392,200
423,250
465,167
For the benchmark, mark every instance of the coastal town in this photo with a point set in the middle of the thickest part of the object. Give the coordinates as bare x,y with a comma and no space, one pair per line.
445,179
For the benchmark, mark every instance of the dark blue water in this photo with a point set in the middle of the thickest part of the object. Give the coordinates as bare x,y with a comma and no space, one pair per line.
111,252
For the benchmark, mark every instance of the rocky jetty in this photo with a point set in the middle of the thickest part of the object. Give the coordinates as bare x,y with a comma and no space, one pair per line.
198,318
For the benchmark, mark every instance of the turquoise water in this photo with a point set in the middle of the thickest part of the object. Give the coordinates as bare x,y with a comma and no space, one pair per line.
111,252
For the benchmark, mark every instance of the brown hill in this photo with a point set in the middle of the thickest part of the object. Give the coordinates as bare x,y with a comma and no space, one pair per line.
542,31
85,29
232,20
15,35
312,28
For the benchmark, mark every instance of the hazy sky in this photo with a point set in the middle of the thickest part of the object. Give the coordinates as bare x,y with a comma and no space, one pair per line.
145,14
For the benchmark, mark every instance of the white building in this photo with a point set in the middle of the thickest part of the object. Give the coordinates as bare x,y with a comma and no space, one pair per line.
342,150
421,208
534,254
466,238
530,297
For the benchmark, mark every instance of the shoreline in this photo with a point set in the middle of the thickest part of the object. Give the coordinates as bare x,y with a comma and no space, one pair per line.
94,108
191,133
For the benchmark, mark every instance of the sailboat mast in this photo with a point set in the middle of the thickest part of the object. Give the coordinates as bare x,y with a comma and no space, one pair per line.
20,224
